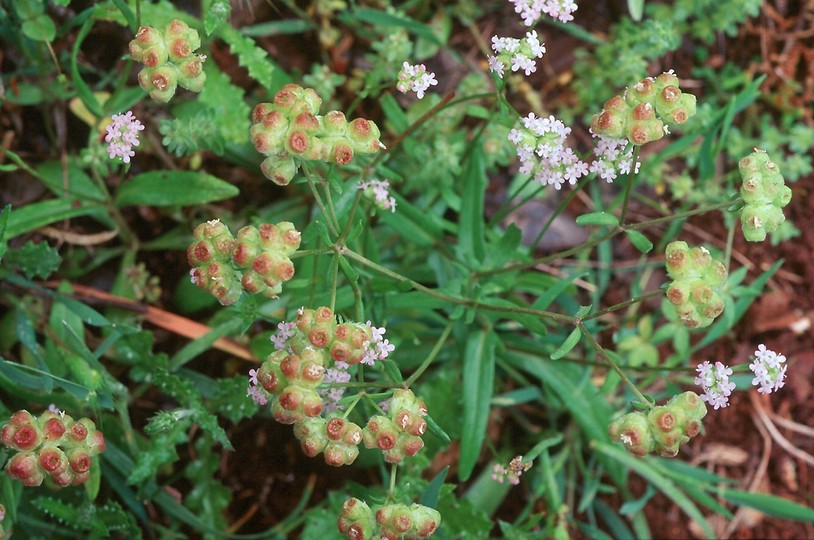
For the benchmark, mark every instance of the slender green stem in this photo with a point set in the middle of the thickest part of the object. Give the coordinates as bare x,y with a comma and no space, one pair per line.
612,364
430,357
344,234
629,184
598,240
623,305
415,125
681,215
310,252
128,235
321,205
730,239
334,279
393,469
456,300
508,207
352,405
557,211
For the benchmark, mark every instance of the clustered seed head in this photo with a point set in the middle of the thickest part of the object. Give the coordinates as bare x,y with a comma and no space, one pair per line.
347,342
662,429
764,193
391,521
257,261
52,448
169,59
398,434
290,127
334,436
644,112
697,280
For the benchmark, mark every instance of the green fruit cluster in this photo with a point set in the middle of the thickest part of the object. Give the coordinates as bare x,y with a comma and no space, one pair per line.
399,433
645,110
291,129
52,448
292,378
344,342
391,522
257,261
764,193
697,280
336,437
662,429
168,59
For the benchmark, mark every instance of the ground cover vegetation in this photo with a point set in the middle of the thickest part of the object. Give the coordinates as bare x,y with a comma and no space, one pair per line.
334,269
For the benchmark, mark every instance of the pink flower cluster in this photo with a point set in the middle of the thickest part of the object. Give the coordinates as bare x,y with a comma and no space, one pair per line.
540,146
122,136
533,10
512,473
611,159
377,190
415,78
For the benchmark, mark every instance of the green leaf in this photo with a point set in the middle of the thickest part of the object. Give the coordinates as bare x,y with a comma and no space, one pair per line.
273,28
769,504
499,254
250,56
230,111
40,28
639,240
170,188
217,13
34,259
433,490
598,218
569,343
636,9
654,477
478,382
3,223
82,89
128,14
470,228
40,214
381,19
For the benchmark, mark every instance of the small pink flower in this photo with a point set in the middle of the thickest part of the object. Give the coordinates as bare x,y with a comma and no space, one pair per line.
122,136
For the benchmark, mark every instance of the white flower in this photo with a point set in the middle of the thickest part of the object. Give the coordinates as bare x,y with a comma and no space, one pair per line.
715,383
284,331
415,78
533,10
520,54
769,369
377,190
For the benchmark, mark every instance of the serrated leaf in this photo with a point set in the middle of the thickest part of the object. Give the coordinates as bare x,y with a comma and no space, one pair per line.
217,13
34,259
567,345
598,218
250,56
639,241
478,382
231,113
173,188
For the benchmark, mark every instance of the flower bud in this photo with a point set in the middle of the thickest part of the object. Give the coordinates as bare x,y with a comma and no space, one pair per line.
364,135
634,432
148,47
425,520
181,40
356,520
191,74
312,436
160,82
395,520
25,468
280,170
